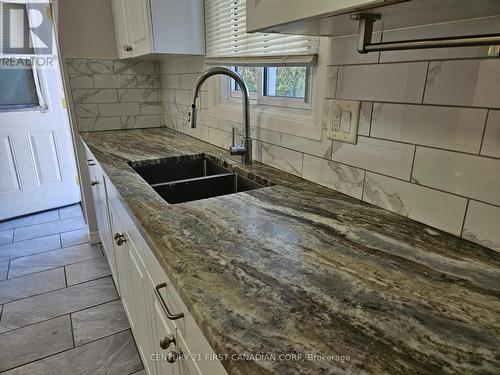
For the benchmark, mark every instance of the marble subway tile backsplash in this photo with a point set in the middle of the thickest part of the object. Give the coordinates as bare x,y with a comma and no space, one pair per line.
428,143
114,94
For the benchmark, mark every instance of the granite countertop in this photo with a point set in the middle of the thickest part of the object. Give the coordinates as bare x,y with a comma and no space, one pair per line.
299,269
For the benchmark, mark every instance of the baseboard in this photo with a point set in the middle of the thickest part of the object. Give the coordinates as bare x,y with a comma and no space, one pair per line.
94,238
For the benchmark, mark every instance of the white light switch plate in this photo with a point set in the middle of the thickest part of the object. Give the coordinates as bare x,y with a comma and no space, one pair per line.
341,120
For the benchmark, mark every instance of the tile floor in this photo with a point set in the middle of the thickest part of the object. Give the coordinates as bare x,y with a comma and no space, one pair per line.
59,309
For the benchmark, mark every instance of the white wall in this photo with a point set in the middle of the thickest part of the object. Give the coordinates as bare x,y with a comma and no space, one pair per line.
86,29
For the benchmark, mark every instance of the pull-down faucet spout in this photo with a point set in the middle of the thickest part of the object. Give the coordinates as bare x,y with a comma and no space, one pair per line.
244,149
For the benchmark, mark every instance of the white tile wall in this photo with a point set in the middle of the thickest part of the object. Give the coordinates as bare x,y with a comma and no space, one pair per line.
441,210
482,224
430,109
282,158
113,94
452,128
464,82
491,142
337,176
466,175
386,157
373,82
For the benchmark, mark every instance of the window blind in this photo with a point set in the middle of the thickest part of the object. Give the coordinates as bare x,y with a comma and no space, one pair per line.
226,37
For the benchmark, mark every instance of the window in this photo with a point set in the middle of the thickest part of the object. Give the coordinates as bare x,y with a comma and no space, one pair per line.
273,85
20,86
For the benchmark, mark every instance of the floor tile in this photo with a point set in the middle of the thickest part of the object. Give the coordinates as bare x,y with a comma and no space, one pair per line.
52,259
70,211
75,237
34,342
27,286
6,236
29,247
113,355
100,321
86,271
4,267
42,217
142,372
59,302
46,229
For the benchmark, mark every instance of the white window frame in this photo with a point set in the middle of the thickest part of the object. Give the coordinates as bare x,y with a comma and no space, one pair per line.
259,98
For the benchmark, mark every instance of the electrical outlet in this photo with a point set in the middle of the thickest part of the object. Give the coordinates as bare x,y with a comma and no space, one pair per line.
341,120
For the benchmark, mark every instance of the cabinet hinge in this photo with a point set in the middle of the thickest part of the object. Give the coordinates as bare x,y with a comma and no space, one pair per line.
64,102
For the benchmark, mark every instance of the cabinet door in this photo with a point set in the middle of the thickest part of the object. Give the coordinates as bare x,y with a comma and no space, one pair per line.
122,266
105,228
139,26
121,28
161,328
140,308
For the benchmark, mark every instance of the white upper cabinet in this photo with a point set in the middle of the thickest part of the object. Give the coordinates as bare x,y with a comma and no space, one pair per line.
144,27
332,17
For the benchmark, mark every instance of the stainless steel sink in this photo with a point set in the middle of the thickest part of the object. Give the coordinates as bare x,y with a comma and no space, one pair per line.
179,181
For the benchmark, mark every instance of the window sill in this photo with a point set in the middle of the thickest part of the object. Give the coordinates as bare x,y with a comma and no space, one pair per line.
297,122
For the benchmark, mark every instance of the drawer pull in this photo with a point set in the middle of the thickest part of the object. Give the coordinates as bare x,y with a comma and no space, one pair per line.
94,182
164,304
119,239
90,162
172,357
166,341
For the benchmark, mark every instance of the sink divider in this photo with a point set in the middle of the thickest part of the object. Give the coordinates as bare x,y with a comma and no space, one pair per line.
193,179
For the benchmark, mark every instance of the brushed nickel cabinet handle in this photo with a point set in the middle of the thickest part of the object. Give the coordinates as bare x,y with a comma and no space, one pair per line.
127,48
166,341
119,239
172,357
164,304
94,182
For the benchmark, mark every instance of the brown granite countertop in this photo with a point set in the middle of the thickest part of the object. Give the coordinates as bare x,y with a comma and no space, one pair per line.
297,268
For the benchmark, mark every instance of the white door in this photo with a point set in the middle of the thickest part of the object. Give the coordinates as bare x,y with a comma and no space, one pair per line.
37,168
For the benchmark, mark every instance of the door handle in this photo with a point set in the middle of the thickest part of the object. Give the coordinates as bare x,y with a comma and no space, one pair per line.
164,304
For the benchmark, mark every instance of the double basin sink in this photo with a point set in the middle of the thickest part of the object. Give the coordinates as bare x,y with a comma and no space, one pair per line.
190,178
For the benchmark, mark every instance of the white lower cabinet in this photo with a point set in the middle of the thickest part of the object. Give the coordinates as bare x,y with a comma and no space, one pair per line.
167,337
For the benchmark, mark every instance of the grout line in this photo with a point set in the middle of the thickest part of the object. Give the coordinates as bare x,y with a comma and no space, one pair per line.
484,132
8,271
72,329
416,103
371,120
363,186
65,276
425,81
465,216
413,163
58,316
413,61
337,81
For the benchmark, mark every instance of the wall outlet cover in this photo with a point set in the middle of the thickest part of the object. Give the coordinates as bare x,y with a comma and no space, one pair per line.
341,120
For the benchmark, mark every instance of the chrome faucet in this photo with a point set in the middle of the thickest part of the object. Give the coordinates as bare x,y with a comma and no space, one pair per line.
244,149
